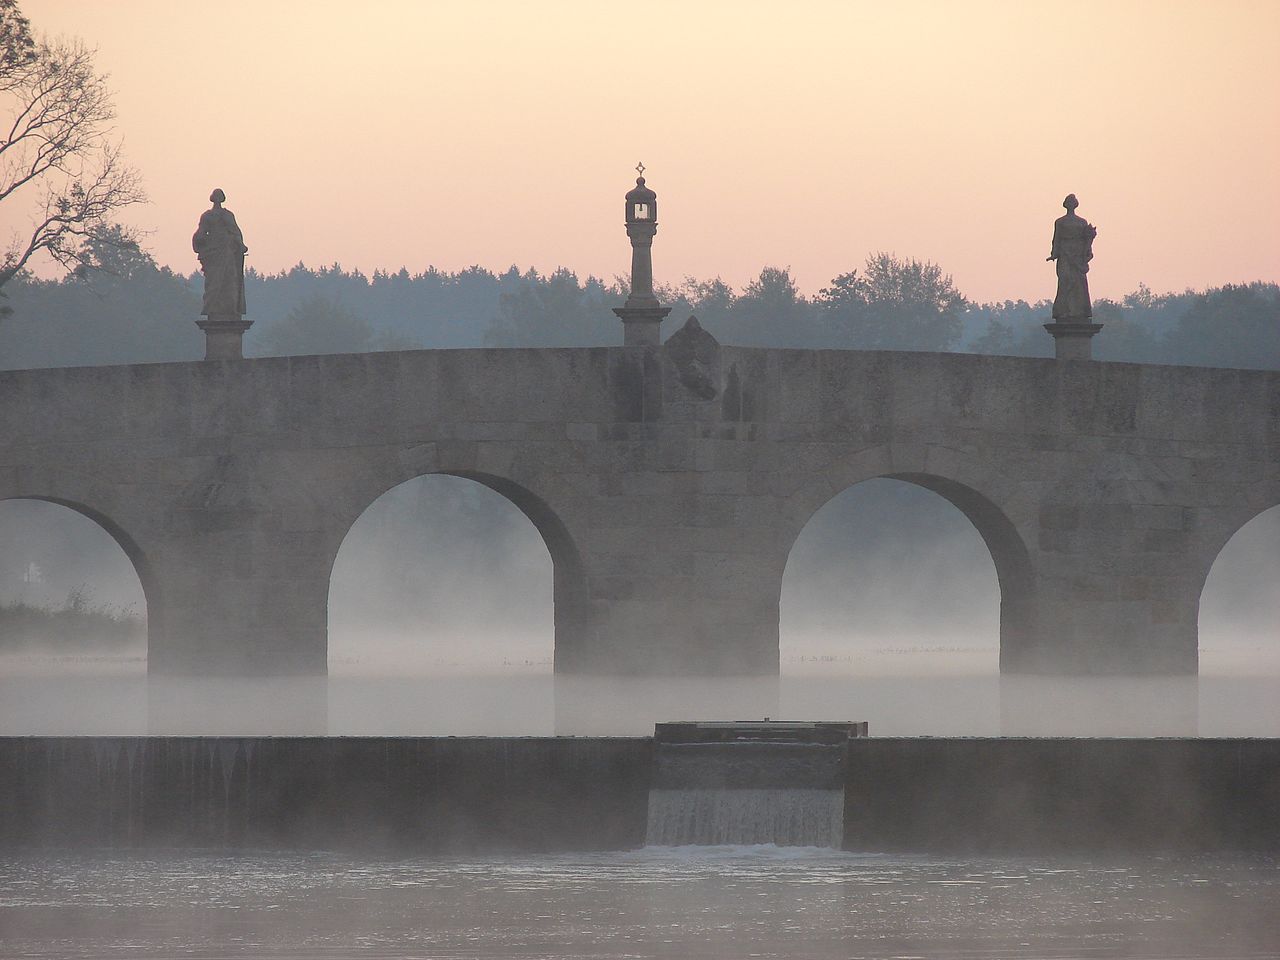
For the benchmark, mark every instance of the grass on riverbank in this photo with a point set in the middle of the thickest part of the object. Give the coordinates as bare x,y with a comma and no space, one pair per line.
76,625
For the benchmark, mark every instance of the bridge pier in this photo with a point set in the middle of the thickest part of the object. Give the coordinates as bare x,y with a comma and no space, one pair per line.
248,600
1117,589
240,627
676,637
1079,633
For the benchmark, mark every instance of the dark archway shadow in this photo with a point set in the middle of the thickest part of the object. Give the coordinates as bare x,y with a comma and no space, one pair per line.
872,585
1008,553
901,605
79,621
1239,601
138,560
567,605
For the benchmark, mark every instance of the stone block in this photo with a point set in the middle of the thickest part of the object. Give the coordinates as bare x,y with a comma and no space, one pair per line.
654,483
496,458
728,455
1159,517
1236,469
798,388
1089,586
1060,516
1172,403
1164,541
754,510
1058,541
582,432
736,482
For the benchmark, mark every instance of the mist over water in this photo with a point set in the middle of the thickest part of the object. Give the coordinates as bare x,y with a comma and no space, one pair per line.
440,573
48,550
441,624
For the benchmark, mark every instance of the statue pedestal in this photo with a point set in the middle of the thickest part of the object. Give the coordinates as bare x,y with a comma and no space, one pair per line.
1073,340
641,325
224,337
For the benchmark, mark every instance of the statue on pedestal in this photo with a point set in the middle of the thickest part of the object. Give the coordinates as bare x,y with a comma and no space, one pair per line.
219,245
1072,249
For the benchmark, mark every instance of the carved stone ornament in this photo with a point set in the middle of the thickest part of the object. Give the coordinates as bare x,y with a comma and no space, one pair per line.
695,354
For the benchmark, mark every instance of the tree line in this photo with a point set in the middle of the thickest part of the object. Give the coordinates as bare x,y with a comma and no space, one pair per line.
130,309
114,304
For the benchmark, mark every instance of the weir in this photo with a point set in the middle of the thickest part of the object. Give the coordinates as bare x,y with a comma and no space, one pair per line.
410,795
747,783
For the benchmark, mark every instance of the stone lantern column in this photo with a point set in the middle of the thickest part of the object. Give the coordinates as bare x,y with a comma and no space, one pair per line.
641,315
224,336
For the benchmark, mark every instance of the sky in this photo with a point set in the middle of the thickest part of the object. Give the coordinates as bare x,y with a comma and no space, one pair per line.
800,134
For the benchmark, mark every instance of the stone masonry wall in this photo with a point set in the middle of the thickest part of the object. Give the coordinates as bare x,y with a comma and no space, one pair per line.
669,484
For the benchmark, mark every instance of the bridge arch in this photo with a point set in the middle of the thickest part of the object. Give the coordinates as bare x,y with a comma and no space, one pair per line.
137,557
976,489
569,597
1250,538
1218,527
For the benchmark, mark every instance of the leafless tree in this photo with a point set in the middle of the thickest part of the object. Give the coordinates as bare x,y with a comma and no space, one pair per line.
58,157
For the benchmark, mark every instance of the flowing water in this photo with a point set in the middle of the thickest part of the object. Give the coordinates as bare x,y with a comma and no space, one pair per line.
687,902
742,791
788,817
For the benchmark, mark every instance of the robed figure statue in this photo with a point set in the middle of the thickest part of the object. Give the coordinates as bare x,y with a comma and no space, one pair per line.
1072,249
219,244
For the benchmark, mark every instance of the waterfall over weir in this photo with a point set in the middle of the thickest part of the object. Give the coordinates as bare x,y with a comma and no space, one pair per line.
788,817
746,783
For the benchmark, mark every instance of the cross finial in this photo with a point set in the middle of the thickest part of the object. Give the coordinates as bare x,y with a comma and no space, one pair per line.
640,169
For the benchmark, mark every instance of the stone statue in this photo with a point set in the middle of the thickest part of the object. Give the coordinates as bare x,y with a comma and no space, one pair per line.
1072,249
219,245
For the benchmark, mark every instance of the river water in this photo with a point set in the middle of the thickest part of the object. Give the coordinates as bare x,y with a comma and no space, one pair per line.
705,902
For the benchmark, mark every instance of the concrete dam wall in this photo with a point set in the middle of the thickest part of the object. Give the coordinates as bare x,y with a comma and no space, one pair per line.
459,795
435,795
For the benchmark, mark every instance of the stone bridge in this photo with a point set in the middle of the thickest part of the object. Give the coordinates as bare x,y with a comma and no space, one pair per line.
669,483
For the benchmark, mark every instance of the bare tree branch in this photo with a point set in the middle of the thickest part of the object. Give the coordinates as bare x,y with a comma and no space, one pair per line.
56,115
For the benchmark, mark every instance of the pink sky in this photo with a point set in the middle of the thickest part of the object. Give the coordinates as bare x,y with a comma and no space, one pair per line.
806,135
